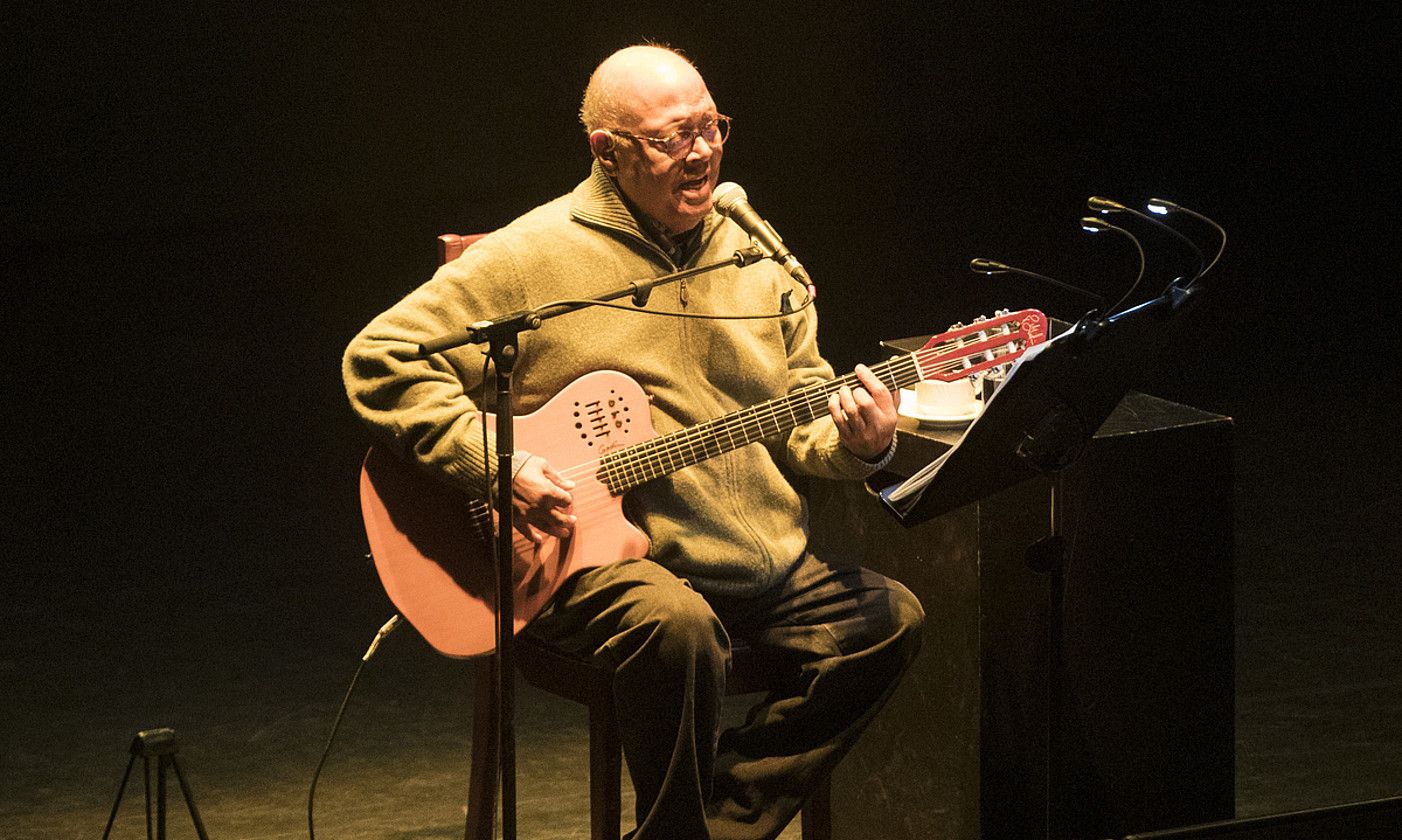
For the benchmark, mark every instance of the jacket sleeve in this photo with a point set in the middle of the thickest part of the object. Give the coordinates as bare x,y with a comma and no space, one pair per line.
425,408
814,448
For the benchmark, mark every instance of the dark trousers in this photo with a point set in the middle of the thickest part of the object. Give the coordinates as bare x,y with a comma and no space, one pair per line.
836,640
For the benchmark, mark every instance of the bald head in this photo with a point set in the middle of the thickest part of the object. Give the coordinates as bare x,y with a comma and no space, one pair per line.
637,99
633,81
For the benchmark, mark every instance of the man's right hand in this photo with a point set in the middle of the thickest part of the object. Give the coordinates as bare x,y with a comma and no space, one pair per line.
542,501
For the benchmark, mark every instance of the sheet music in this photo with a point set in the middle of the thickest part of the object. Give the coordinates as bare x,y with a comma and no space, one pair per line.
904,496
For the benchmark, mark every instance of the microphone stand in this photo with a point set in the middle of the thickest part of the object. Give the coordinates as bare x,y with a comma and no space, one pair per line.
502,336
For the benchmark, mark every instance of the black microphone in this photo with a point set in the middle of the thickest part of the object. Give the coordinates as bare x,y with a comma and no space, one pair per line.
1106,206
983,266
731,202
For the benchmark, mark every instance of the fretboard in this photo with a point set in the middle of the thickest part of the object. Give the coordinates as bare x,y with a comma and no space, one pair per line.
627,468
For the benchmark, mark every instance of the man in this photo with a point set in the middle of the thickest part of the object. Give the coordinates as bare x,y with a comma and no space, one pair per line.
729,555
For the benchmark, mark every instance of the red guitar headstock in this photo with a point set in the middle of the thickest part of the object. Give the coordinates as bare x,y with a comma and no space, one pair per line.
986,343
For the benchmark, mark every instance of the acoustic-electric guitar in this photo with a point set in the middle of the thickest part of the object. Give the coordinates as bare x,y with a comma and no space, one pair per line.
433,544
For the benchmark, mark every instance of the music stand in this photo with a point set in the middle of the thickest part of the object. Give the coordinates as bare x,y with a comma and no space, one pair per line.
1049,407
1038,422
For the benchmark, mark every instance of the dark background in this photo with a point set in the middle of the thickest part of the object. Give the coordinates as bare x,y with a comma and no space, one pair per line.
204,202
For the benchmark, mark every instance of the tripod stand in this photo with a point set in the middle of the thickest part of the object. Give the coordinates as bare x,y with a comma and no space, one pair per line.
159,744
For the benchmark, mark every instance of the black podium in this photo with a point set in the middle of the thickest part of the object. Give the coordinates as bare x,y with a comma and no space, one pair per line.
1091,703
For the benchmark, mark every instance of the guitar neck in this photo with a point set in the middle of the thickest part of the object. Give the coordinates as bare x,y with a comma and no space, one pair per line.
627,468
959,352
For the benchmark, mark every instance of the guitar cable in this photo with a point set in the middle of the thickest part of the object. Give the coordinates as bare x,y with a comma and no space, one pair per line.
387,628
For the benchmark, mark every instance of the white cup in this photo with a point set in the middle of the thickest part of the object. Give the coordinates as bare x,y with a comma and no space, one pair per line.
934,398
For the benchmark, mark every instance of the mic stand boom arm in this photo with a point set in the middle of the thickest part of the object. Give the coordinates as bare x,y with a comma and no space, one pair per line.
502,335
483,332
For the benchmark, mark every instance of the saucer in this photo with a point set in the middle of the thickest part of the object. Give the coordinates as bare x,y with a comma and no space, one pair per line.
909,409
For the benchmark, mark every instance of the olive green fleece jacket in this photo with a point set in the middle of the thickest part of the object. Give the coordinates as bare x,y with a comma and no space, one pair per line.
732,525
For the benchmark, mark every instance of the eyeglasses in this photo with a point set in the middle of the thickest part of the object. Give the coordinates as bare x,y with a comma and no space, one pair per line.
679,143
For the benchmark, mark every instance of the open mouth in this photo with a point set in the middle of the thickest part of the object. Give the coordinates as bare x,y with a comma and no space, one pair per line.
694,185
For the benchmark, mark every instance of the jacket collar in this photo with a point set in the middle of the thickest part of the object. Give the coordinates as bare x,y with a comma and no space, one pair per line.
598,202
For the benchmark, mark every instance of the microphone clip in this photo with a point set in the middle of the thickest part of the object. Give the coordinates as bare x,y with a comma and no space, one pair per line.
642,290
1085,331
748,256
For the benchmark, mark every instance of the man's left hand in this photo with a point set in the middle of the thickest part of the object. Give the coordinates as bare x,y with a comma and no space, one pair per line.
865,416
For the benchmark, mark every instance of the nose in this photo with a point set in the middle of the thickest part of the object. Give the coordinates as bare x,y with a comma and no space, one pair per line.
700,149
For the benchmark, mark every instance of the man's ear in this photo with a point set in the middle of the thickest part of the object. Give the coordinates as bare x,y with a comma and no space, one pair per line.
602,143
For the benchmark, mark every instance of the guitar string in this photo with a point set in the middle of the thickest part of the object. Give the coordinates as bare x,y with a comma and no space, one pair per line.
810,399
629,466
645,460
649,459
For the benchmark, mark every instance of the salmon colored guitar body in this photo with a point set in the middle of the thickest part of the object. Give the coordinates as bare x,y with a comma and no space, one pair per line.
433,546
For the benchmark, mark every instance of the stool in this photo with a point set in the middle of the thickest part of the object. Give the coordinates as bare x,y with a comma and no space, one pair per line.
591,684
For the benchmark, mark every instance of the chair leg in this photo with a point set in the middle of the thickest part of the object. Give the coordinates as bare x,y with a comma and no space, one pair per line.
605,767
482,785
817,812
